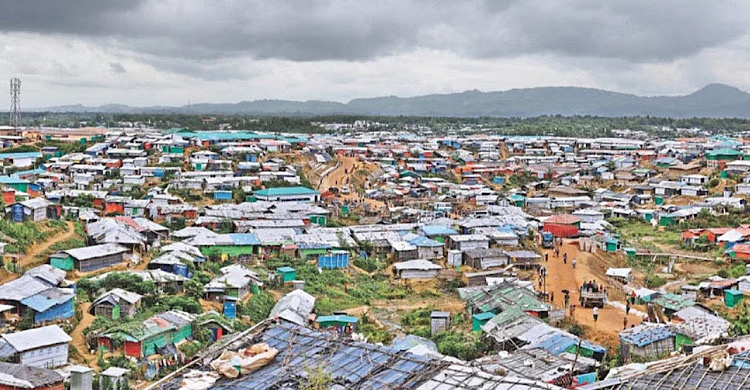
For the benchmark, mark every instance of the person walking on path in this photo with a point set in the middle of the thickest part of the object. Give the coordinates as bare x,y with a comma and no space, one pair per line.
627,308
565,258
574,263
625,323
546,257
595,312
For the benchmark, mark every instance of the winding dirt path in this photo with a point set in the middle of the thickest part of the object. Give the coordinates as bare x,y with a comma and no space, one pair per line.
79,341
341,176
30,258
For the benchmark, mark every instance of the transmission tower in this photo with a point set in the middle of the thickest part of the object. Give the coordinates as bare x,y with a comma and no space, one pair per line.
15,104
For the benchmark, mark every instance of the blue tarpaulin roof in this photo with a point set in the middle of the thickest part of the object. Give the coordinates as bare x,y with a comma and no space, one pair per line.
37,171
559,343
424,242
646,336
244,239
410,341
12,180
47,299
3,156
438,230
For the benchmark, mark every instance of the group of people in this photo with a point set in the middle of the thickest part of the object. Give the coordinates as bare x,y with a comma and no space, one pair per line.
592,286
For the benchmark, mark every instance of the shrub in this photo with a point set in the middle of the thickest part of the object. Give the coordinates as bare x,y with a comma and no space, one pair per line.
465,346
654,281
369,264
258,307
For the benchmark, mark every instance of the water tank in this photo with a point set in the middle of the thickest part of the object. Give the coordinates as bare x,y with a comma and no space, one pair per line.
81,378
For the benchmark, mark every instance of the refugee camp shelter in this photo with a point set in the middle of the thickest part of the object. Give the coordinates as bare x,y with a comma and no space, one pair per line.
562,225
294,307
21,376
342,324
288,194
416,269
622,275
45,347
647,341
90,258
116,303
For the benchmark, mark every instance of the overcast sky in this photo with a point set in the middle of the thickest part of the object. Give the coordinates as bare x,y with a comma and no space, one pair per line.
151,52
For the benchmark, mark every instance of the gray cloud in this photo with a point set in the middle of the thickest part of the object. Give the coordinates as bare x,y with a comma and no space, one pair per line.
356,30
225,50
117,67
87,17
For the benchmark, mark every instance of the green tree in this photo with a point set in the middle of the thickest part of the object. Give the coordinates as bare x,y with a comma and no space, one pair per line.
741,322
194,288
258,307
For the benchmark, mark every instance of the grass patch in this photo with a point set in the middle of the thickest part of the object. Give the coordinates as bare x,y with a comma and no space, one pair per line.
643,236
341,289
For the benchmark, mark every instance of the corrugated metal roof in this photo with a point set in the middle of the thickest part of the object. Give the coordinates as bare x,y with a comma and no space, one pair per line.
27,377
90,252
37,338
646,334
354,365
21,288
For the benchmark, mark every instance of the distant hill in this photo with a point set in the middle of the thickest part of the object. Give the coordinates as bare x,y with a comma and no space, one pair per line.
713,100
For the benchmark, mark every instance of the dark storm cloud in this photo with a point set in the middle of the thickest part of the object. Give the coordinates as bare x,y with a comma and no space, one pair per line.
308,30
88,17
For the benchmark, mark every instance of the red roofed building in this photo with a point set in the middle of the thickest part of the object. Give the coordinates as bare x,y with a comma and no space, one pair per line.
712,234
562,225
740,251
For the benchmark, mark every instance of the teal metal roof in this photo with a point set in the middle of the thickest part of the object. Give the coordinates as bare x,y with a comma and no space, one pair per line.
3,156
722,152
285,191
484,316
338,318
12,180
225,135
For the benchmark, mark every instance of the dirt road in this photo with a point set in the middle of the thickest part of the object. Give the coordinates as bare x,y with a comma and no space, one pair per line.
562,276
342,176
79,341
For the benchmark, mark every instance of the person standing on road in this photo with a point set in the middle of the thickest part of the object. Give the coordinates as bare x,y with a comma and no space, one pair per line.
596,313
625,323
627,307
573,262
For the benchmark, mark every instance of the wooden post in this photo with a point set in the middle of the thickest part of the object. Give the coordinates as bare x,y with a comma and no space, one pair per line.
578,351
